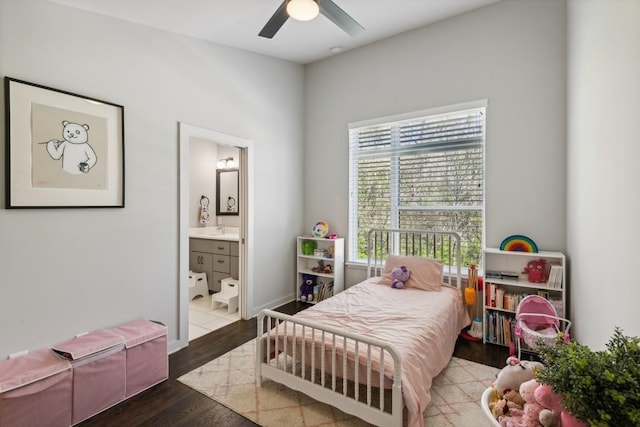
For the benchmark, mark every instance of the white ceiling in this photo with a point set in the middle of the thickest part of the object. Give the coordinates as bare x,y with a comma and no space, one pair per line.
237,23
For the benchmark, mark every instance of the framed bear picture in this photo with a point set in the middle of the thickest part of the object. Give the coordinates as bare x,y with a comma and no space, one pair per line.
63,150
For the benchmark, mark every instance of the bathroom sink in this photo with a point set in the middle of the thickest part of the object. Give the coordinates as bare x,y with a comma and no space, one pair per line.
226,236
230,234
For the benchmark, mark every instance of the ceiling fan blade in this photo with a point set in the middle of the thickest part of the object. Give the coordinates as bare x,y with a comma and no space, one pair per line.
277,20
339,17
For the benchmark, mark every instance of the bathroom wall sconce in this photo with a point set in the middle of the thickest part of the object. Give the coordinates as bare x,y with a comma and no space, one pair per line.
226,163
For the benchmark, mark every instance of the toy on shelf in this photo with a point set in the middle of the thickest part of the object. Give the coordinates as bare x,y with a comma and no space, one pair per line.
320,229
518,243
319,268
308,246
537,270
329,252
306,288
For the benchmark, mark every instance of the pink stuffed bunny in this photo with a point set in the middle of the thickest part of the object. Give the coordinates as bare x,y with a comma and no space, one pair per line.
529,416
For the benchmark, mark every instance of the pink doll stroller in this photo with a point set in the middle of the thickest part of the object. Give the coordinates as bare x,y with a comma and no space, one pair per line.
537,320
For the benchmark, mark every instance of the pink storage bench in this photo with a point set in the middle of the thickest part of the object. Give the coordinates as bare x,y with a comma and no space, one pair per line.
98,361
146,351
35,388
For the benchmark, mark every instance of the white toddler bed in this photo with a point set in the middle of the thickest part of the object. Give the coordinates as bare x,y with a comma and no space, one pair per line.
373,350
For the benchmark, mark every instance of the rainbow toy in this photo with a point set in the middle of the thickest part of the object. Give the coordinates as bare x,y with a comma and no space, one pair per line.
518,243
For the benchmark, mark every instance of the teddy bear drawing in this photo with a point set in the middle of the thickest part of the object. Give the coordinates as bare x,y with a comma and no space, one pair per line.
77,155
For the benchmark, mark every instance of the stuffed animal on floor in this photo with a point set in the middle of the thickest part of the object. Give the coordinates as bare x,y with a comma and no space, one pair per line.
306,288
531,411
509,401
541,407
552,404
514,374
399,275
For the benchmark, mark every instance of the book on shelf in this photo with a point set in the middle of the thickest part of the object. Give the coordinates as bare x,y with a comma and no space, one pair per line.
509,275
498,297
490,274
504,275
325,290
492,295
501,329
558,306
555,277
543,293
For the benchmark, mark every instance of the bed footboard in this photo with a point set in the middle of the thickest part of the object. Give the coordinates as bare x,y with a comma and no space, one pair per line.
340,368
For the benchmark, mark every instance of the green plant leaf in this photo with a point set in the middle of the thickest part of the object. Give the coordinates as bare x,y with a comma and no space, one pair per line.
601,388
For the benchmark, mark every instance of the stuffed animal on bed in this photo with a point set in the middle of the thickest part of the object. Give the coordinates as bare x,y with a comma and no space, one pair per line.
306,288
399,275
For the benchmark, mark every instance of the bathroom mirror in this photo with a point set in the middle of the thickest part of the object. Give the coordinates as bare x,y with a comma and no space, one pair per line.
227,191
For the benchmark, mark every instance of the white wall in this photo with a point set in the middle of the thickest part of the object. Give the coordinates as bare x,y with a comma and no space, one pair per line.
510,53
70,270
203,156
603,153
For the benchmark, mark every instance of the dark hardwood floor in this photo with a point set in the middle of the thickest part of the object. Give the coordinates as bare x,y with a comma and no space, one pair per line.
171,403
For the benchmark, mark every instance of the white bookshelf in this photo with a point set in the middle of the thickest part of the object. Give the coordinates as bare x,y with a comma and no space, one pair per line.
305,263
497,312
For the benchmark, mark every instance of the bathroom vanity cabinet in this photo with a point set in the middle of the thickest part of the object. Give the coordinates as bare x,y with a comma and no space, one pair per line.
217,258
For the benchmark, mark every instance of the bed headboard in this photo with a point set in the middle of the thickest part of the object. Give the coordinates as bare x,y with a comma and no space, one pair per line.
442,245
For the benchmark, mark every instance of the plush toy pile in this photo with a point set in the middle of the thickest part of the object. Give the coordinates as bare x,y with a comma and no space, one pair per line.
523,402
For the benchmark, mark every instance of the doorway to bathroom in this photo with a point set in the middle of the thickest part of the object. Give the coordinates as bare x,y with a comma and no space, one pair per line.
215,227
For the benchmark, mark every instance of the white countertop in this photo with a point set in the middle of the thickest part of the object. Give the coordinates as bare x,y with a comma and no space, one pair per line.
213,233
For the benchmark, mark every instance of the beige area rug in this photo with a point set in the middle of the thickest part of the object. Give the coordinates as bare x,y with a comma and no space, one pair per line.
230,380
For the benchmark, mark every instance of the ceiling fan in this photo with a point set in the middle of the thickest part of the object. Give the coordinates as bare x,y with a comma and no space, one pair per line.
305,10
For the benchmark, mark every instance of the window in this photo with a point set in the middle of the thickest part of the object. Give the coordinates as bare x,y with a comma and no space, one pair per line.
419,171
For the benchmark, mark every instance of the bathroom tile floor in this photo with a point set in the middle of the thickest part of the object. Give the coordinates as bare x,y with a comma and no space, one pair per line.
203,320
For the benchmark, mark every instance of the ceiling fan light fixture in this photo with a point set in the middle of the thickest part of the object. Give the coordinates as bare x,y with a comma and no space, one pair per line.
303,10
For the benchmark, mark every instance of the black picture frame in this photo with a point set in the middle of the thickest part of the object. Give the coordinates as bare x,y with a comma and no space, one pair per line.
62,150
227,191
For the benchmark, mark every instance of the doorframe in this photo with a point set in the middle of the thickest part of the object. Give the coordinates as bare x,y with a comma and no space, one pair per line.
188,131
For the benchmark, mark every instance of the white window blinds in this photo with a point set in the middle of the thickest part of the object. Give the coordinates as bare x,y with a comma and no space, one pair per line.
424,171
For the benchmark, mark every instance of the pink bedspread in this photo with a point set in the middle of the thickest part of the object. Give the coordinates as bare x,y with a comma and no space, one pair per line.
423,326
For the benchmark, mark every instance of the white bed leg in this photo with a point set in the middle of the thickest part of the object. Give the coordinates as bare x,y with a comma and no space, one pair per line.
258,344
